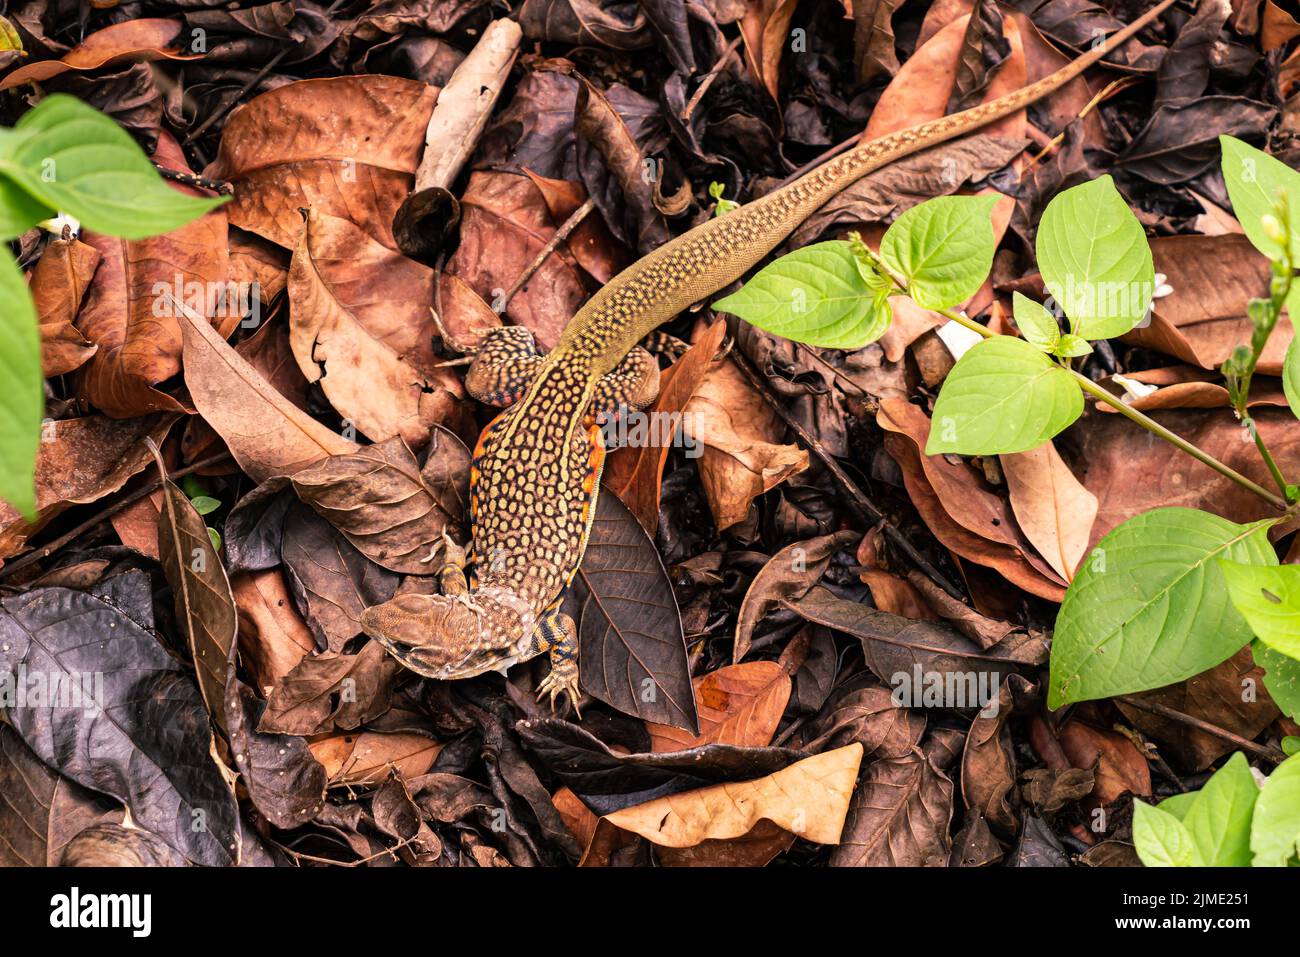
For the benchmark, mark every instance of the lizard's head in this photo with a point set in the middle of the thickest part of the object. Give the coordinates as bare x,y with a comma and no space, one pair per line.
449,636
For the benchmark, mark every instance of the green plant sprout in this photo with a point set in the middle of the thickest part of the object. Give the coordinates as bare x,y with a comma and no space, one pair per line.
1169,593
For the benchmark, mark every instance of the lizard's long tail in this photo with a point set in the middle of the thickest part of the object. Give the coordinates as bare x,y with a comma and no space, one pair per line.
698,263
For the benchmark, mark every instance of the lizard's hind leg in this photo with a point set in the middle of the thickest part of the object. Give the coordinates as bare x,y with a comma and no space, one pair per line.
557,635
503,367
632,384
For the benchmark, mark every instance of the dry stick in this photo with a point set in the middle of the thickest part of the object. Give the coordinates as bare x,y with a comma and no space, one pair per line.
864,505
1263,751
192,179
1113,87
712,75
560,236
32,557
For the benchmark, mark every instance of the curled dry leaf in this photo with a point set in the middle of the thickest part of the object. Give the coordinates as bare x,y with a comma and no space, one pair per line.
739,430
974,523
132,41
42,811
365,378
505,224
1203,318
331,582
632,653
1053,508
738,704
285,782
809,798
867,713
132,308
145,737
376,496
344,146
899,817
332,691
266,433
787,575
200,590
273,638
109,844
897,647
367,757
1118,765
59,281
81,461
635,474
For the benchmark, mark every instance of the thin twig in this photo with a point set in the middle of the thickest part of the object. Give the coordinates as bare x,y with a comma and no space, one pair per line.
193,179
1245,744
709,78
865,507
255,79
45,552
560,236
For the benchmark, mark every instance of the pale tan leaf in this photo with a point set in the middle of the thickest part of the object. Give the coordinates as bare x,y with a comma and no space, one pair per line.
1053,508
809,798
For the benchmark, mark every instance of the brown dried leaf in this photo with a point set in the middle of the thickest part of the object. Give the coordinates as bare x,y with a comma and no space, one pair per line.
344,146
80,461
1118,766
899,816
132,41
635,474
266,433
738,704
59,281
809,798
741,458
787,575
366,758
273,637
204,605
365,378
505,224
330,691
377,498
1053,508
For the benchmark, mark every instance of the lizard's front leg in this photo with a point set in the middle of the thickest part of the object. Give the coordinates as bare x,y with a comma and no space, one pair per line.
632,384
557,635
503,367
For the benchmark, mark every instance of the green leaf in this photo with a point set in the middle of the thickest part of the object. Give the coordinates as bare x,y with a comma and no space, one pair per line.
1291,363
1072,345
22,398
944,247
1179,804
1161,839
1269,599
71,157
1281,678
18,211
1095,260
1002,396
1275,830
814,295
215,538
1219,818
1149,605
1035,323
1254,179
205,504
1291,745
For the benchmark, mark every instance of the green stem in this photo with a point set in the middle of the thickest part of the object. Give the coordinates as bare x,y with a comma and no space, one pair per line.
1120,406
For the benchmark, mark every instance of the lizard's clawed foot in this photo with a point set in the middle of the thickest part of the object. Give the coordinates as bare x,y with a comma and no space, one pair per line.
561,681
